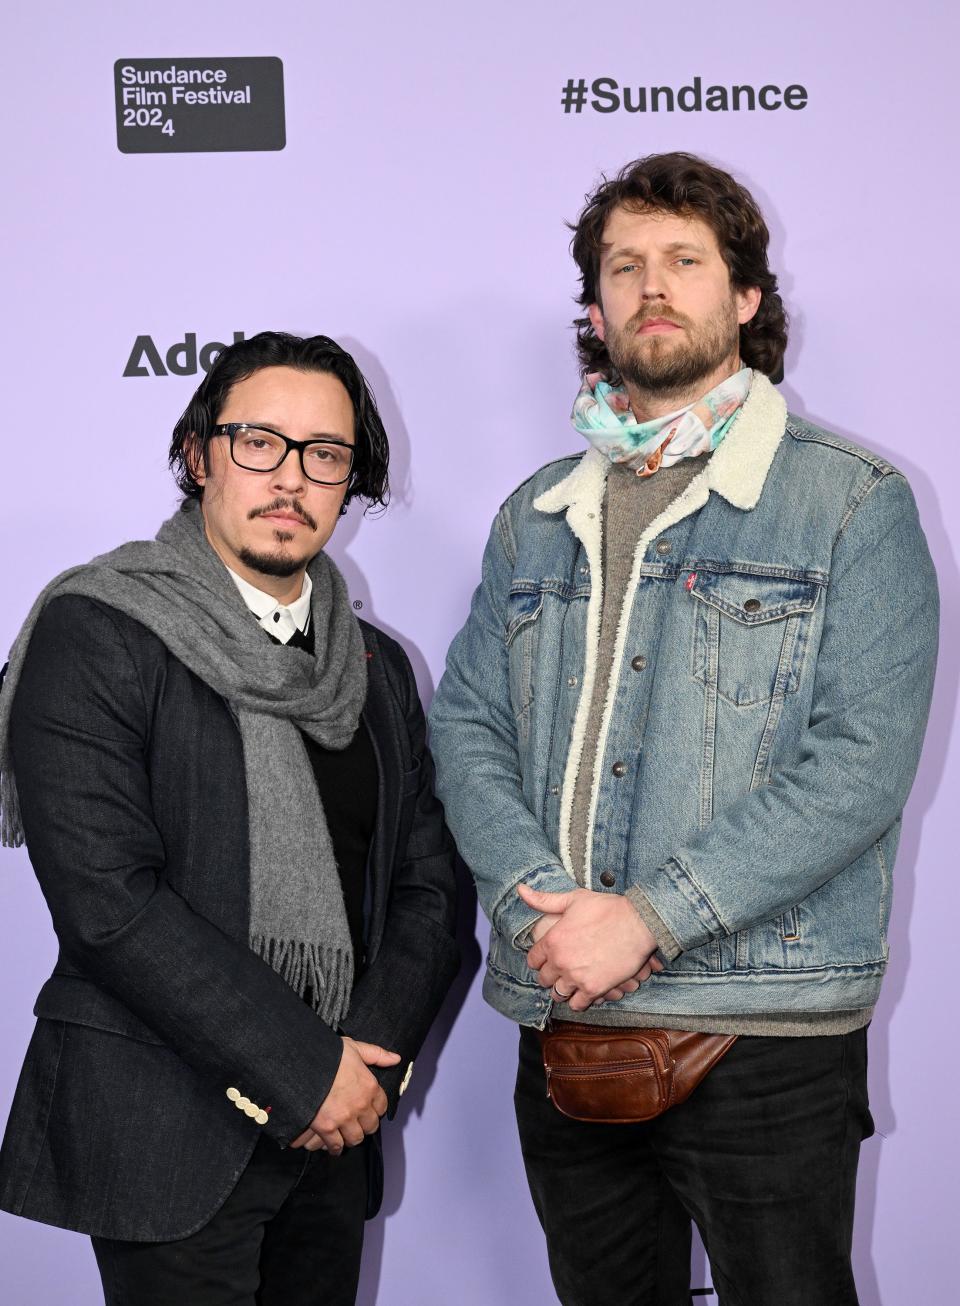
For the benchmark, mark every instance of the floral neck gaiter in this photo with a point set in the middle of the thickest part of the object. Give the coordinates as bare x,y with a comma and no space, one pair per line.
602,414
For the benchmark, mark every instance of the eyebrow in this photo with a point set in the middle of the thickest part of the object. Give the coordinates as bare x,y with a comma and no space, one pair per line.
317,435
674,247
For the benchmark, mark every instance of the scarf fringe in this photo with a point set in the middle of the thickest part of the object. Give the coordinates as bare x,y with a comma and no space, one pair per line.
325,972
11,825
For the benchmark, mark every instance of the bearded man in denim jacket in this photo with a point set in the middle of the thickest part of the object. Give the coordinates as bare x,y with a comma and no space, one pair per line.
674,739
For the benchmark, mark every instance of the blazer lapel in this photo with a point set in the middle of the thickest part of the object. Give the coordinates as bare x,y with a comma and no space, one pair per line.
380,719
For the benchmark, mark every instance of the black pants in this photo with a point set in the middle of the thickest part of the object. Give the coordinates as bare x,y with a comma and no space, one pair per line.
290,1234
762,1156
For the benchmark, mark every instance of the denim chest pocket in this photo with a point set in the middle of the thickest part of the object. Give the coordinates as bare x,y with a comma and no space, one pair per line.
750,633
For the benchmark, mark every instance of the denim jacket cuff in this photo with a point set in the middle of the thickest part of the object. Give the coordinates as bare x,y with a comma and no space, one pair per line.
667,944
512,918
683,906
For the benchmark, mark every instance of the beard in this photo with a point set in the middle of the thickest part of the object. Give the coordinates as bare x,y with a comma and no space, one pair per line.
272,564
280,563
669,365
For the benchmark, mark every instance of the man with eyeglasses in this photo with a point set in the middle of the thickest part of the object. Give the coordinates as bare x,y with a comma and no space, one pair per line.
221,778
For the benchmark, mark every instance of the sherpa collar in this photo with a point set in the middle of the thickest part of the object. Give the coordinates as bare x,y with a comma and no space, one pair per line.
737,470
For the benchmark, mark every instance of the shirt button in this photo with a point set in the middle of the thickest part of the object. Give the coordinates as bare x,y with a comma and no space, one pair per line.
638,663
664,547
619,768
608,879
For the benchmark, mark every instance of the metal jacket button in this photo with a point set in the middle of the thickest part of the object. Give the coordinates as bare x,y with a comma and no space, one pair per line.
608,879
619,768
638,663
664,547
752,605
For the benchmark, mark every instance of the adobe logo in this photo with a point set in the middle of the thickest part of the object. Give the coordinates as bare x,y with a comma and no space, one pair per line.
181,359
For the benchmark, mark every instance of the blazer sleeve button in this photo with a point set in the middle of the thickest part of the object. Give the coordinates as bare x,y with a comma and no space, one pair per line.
233,1094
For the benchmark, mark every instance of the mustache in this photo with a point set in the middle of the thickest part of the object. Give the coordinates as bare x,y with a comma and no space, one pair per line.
659,314
280,504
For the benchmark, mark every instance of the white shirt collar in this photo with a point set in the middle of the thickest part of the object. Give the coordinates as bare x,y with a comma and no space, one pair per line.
278,619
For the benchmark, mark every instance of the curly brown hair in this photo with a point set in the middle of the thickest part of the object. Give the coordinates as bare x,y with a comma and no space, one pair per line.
683,184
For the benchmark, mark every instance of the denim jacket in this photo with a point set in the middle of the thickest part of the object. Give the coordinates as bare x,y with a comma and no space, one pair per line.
772,678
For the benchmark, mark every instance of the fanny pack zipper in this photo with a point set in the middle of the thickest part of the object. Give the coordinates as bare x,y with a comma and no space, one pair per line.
609,1068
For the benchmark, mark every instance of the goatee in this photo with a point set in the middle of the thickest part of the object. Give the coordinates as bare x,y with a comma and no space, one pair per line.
271,564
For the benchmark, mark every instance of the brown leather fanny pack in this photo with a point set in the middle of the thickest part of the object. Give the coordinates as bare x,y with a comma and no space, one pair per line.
609,1075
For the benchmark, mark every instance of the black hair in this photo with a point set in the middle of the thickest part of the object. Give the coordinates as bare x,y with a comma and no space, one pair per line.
194,430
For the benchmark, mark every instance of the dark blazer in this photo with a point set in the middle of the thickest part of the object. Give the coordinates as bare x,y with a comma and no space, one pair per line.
131,783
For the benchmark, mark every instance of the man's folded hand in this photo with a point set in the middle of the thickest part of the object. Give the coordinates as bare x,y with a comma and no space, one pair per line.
354,1105
596,949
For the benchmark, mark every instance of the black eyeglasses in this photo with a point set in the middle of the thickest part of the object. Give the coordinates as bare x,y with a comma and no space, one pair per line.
258,449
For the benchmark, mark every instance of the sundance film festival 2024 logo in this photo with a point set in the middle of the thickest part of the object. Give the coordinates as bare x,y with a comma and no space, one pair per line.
187,106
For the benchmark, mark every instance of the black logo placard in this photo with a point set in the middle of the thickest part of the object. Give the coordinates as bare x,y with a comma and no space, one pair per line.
187,106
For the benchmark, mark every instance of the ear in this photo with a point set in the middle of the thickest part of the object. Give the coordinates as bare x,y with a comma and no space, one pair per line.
595,314
748,301
193,457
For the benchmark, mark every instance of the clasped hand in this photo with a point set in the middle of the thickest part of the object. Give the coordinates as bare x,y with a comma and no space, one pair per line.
589,947
355,1103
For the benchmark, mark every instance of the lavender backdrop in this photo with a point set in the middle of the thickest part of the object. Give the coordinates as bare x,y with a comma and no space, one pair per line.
416,214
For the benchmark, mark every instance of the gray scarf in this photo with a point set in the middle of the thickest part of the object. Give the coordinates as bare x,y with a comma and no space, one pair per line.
179,589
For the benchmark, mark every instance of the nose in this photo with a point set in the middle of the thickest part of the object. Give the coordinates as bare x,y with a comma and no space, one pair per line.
288,478
652,282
